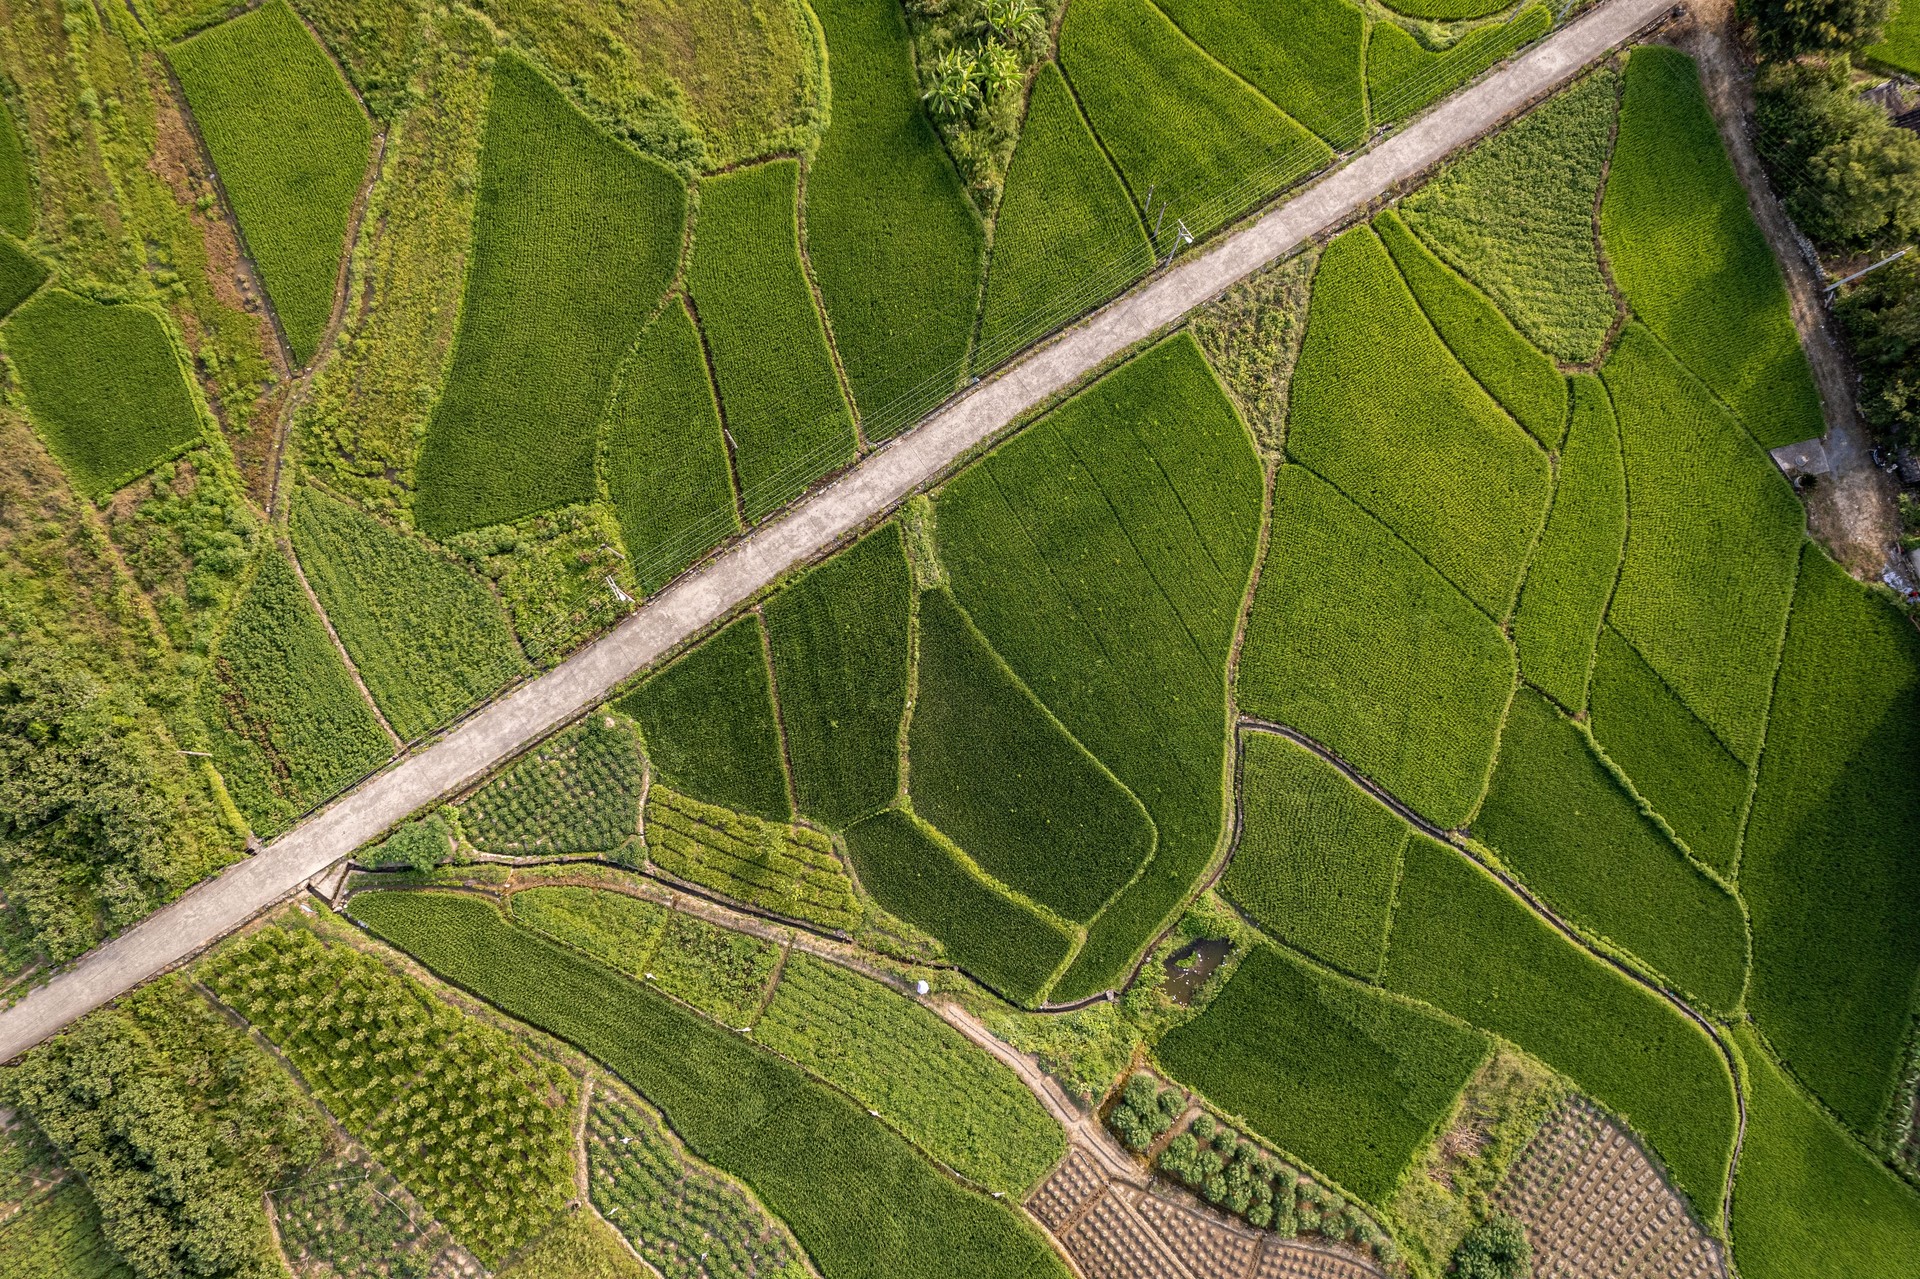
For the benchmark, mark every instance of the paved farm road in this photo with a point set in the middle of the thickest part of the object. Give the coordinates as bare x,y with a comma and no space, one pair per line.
885,478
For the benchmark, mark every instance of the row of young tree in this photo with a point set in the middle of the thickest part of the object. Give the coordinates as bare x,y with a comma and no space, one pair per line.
1850,179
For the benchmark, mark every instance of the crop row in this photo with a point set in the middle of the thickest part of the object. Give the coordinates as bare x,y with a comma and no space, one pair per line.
577,792
462,1115
860,1200
790,870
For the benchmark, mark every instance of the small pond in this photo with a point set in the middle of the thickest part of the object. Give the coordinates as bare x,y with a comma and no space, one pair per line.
1189,967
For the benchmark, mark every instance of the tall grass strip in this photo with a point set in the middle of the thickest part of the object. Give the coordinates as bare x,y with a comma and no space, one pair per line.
575,238
839,642
16,180
1304,55
1383,411
576,792
20,274
426,635
1515,372
104,385
1560,819
787,869
1347,1077
1713,531
1104,553
914,874
290,729
1515,216
861,1201
1686,252
779,393
709,724
944,1092
1674,761
1808,1202
291,147
1356,642
1317,856
1174,120
1464,944
665,458
1065,220
894,242
1404,79
1829,870
1574,566
1446,10
1001,778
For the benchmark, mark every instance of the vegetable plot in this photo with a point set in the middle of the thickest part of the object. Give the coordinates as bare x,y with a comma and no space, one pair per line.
576,792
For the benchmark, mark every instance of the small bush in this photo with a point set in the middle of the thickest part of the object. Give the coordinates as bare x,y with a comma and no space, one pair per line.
1495,1249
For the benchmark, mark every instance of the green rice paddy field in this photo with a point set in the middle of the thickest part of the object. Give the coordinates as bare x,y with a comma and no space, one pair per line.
1489,704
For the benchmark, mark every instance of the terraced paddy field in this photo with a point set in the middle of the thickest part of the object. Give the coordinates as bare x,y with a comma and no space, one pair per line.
1373,781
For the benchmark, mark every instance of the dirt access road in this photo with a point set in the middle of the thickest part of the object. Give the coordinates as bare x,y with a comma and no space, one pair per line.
885,478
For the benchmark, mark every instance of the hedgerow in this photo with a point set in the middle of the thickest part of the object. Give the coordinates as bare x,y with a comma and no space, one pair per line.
1674,761
1515,372
291,148
1684,249
1175,120
779,394
665,458
1464,944
1515,216
860,1200
470,1122
1104,553
1403,78
426,635
1571,577
1238,1175
289,728
103,384
20,274
1809,1203
1561,820
790,870
16,181
1383,411
1356,642
722,973
708,720
1317,855
1305,57
1001,778
575,237
1005,945
838,637
1828,870
576,792
895,245
946,1094
1712,534
1352,1080
1066,235
684,1219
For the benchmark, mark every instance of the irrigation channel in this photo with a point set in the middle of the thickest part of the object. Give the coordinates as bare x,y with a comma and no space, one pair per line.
911,461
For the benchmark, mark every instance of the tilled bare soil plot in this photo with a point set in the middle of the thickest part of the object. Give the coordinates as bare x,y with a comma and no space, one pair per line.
1593,1201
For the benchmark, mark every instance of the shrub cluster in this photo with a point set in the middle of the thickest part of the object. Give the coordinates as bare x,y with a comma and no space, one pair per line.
1238,1176
1146,1110
1497,1248
974,56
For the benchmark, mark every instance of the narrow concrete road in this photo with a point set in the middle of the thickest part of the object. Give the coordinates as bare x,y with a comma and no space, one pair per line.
887,477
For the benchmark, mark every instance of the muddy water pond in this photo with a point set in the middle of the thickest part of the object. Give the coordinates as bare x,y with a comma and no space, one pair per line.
1189,967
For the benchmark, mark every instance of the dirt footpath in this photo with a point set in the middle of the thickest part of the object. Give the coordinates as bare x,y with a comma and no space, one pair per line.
1851,511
